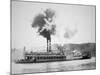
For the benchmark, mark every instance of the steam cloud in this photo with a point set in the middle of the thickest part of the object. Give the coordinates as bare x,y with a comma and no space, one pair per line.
70,33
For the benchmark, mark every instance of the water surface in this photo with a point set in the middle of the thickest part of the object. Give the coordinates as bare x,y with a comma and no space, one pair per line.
54,66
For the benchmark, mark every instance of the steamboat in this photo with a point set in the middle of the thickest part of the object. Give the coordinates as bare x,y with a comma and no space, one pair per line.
39,57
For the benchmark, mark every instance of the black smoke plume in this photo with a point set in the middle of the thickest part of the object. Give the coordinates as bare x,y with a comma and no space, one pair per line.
39,23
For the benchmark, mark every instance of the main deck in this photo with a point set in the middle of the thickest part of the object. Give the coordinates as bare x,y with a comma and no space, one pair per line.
42,57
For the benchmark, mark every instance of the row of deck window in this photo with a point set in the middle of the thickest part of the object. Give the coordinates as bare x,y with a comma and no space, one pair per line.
45,57
61,57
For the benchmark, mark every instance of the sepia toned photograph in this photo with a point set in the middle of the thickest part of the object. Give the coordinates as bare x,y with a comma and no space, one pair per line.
52,37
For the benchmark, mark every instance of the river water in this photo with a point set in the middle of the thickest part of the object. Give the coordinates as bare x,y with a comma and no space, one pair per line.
86,64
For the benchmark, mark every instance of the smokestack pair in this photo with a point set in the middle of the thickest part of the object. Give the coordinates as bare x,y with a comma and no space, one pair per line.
45,26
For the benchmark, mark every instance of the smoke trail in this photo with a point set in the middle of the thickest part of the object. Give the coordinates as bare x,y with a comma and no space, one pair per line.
38,21
69,33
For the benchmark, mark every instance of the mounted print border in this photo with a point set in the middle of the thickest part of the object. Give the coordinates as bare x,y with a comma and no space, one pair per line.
52,37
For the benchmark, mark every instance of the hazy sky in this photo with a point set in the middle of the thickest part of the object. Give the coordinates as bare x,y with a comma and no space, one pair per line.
75,18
